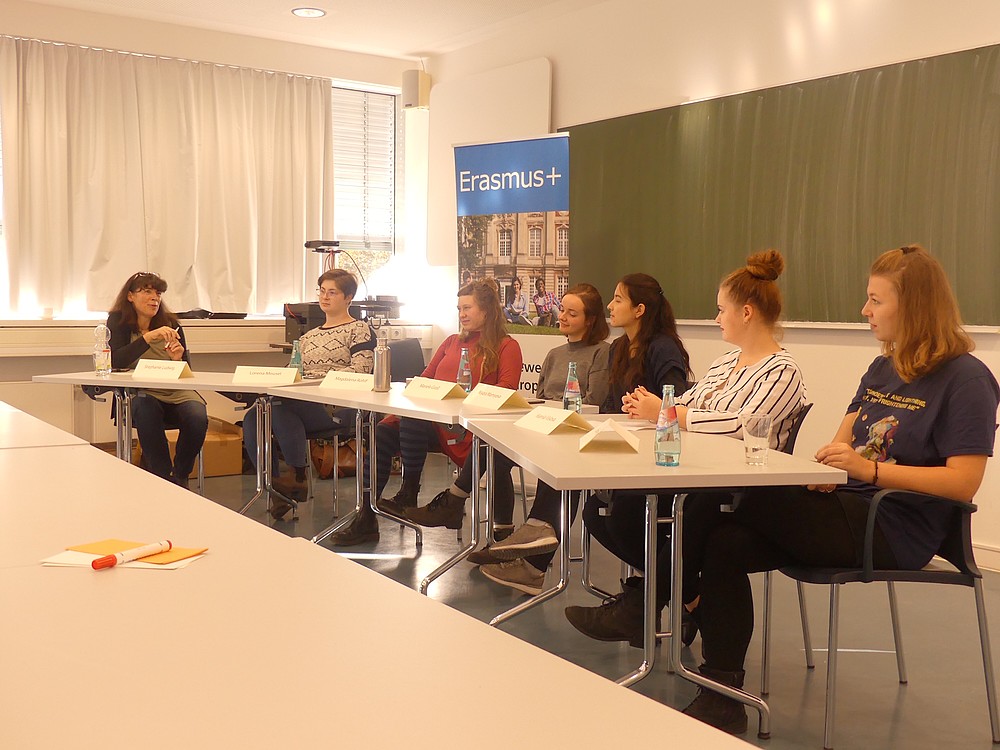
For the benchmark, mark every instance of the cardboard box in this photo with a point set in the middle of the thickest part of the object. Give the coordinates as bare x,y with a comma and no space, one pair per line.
223,449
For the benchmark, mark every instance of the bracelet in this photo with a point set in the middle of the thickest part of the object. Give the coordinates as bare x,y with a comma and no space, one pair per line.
875,480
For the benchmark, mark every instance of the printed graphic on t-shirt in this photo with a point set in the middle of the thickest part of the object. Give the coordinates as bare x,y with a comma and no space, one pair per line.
880,437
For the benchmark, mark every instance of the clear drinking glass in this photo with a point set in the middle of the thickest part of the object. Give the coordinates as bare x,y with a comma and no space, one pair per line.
756,436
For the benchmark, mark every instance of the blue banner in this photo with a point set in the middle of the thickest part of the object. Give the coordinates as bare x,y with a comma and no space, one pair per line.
513,177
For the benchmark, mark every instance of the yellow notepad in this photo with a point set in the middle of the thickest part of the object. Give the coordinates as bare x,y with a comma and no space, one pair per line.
114,546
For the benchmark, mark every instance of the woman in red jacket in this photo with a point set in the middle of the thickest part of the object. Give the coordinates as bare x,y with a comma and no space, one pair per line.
495,359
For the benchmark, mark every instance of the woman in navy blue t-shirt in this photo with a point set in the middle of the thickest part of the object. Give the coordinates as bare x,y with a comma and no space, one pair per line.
923,419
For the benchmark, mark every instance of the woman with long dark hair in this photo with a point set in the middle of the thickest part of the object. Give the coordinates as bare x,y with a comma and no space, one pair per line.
142,327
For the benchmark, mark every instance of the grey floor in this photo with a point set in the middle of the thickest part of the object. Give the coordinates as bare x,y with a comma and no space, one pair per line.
942,707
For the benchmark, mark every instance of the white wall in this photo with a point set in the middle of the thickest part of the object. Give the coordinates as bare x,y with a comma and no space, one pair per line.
630,56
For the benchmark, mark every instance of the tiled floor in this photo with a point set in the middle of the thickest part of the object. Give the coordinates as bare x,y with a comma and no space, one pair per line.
942,708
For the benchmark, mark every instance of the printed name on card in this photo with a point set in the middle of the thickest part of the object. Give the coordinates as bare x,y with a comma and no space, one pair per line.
547,419
495,398
253,375
437,390
610,435
348,381
161,369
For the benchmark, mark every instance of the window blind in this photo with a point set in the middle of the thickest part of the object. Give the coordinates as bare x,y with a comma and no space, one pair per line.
364,169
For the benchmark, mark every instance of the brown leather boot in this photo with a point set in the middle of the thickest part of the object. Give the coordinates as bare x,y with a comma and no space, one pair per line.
721,711
444,510
405,498
362,529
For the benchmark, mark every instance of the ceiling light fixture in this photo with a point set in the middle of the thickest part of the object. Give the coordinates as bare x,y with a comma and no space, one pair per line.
308,12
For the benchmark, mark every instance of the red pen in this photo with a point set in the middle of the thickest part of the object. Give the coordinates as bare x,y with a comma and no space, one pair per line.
110,561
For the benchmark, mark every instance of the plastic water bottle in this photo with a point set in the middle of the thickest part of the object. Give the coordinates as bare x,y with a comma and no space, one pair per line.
572,400
464,378
102,351
667,443
296,360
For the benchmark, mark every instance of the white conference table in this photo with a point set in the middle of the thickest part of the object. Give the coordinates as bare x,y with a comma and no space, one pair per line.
121,385
20,430
209,655
708,462
394,401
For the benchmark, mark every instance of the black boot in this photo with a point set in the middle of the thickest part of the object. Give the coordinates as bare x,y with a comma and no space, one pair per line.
444,510
619,618
405,498
720,711
362,529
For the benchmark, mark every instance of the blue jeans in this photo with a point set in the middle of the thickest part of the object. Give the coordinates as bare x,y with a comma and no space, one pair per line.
151,417
291,421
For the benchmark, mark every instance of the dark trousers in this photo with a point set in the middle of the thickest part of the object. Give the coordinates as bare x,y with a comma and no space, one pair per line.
620,526
292,421
771,527
151,417
412,439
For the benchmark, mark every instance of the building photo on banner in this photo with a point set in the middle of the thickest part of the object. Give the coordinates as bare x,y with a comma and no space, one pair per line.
513,225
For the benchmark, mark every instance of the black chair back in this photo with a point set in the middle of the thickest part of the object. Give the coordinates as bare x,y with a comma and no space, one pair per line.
793,434
407,359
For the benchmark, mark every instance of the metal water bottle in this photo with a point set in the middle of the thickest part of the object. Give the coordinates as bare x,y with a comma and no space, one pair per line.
383,362
464,378
667,443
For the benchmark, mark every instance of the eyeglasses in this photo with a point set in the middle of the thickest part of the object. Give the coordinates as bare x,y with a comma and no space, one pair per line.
143,281
321,292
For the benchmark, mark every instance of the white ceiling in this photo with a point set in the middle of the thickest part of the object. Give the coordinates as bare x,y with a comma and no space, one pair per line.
394,28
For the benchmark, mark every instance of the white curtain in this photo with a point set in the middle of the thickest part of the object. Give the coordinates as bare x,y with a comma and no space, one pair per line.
211,176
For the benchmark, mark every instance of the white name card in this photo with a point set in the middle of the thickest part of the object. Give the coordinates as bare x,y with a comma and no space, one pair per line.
438,390
546,419
495,398
348,381
161,369
253,375
610,435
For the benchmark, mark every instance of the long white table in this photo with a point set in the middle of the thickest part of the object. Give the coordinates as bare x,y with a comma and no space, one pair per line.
206,657
20,430
121,385
396,402
708,462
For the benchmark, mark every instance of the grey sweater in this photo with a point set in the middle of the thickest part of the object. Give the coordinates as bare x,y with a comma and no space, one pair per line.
591,368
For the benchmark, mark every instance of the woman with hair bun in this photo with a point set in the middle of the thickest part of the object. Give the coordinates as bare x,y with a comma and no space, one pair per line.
758,376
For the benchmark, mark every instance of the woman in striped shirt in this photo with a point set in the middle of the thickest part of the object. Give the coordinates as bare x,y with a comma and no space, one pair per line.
756,377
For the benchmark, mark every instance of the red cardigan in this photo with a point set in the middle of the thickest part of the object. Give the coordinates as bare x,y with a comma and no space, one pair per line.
444,366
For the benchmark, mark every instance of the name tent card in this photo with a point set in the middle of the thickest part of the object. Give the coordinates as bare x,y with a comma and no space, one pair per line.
547,419
253,375
610,435
495,398
437,390
348,381
161,369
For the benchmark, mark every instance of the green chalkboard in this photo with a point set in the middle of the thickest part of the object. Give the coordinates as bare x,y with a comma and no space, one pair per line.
831,172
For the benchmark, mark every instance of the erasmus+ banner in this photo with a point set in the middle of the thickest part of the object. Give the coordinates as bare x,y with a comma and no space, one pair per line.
513,177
